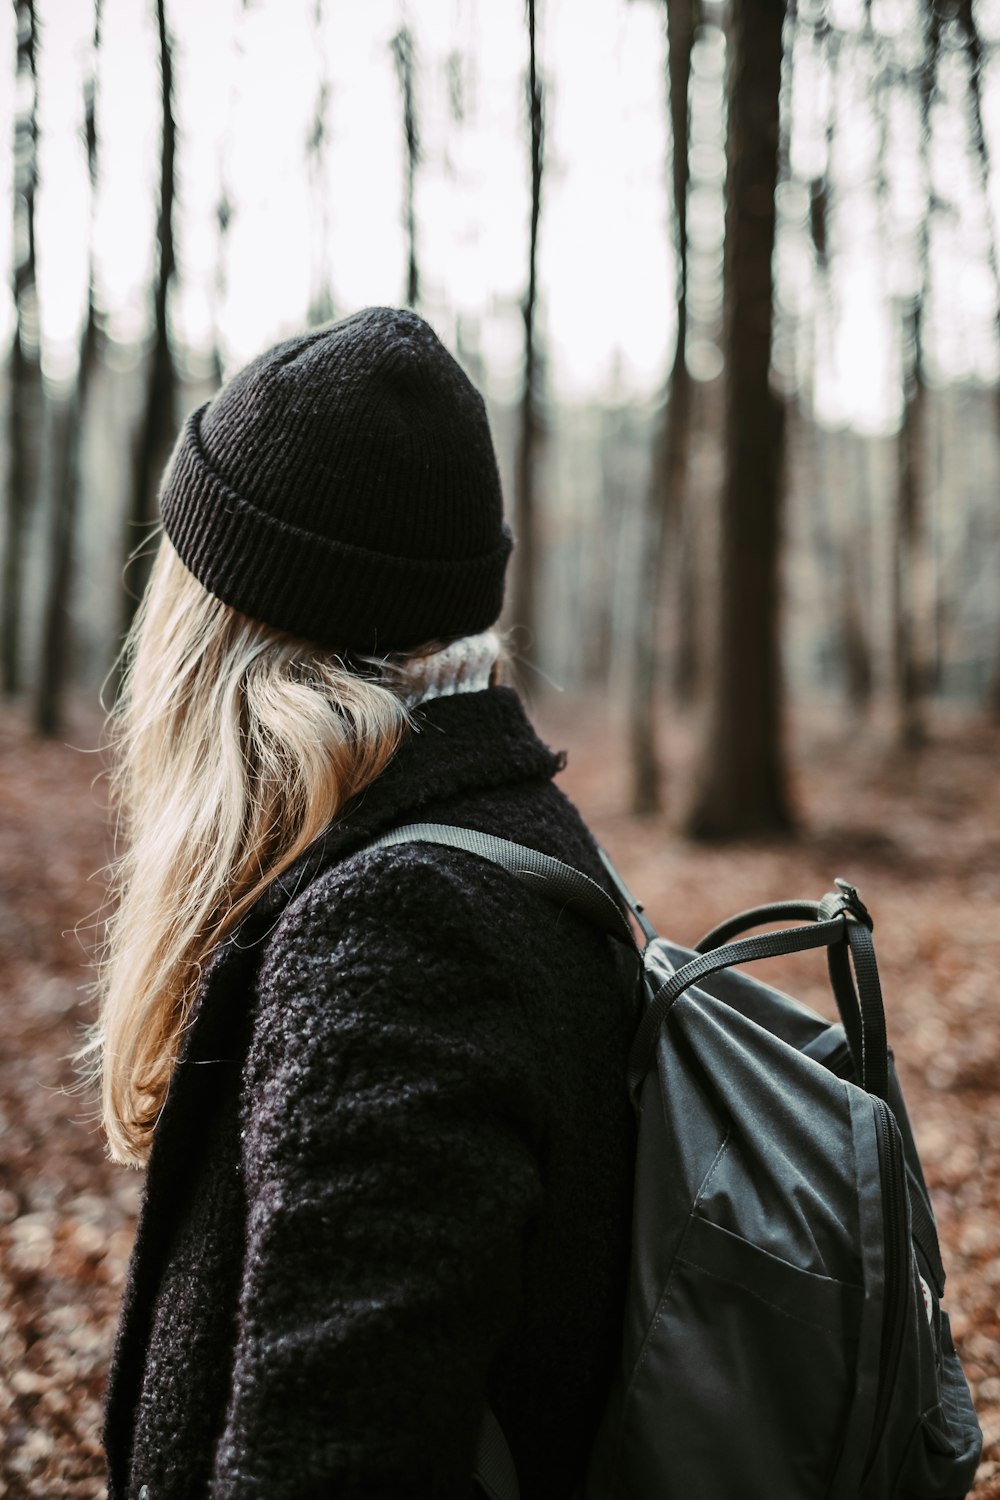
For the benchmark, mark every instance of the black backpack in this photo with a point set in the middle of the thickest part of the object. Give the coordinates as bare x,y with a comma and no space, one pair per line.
783,1335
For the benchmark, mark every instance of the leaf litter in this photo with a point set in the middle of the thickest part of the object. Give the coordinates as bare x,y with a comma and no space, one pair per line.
919,835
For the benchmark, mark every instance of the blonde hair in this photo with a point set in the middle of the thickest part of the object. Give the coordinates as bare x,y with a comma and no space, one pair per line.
235,745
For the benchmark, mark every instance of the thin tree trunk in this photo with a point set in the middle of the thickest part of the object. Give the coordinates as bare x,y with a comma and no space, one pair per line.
404,54
854,638
855,572
689,674
224,209
688,650
665,494
320,297
54,662
25,356
158,421
524,591
836,518
223,221
909,674
743,786
910,523
975,56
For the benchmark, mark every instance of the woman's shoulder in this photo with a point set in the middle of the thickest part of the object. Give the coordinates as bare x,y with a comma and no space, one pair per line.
419,918
383,896
359,889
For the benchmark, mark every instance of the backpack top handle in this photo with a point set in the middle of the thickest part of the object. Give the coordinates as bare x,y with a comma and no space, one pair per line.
842,924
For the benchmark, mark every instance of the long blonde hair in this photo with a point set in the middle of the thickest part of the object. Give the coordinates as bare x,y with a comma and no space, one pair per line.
235,745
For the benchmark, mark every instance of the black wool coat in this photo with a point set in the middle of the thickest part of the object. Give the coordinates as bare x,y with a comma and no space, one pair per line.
392,1175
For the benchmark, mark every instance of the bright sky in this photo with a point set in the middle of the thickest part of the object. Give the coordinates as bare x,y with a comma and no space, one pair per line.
246,90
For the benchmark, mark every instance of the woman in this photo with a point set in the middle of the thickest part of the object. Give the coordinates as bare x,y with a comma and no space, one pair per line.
381,1093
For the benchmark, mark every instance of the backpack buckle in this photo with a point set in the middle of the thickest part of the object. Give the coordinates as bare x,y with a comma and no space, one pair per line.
853,902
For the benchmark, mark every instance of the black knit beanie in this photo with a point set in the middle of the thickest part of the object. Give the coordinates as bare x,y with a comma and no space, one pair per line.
343,487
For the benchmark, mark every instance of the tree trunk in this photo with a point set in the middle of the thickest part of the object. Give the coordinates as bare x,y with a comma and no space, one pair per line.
25,356
742,787
54,662
403,53
909,667
854,638
158,425
687,664
976,57
909,656
524,604
665,494
855,572
224,208
321,309
837,509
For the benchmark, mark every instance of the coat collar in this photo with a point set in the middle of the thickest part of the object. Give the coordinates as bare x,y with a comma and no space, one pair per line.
459,745
464,743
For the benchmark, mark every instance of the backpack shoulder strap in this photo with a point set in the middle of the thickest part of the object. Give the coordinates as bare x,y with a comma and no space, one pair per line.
560,882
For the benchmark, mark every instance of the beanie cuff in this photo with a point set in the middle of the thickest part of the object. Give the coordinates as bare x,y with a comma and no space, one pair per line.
334,593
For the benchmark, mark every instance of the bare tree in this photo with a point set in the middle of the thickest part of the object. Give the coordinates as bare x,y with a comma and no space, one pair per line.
524,603
743,785
224,207
223,224
54,660
855,579
25,354
839,540
910,521
158,422
690,543
976,57
909,681
320,298
404,54
665,494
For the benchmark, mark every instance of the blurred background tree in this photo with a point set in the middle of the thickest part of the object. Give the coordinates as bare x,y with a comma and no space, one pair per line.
742,784
524,571
742,354
669,464
24,367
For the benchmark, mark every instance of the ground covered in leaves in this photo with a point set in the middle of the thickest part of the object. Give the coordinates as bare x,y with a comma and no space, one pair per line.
919,835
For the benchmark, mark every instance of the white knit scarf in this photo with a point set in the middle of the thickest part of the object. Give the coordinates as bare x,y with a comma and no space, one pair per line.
464,666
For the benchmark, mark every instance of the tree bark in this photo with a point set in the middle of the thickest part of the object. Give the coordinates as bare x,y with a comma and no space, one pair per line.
743,785
321,309
668,482
855,572
54,661
975,56
909,673
524,603
158,425
403,53
909,655
25,356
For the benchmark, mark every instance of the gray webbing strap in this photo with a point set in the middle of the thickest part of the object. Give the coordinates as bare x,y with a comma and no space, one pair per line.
757,916
770,945
495,1472
550,877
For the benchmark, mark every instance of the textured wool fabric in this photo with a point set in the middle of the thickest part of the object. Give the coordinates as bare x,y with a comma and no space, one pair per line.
393,1172
343,487
463,666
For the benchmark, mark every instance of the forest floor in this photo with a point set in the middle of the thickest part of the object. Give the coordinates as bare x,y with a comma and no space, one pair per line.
919,835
